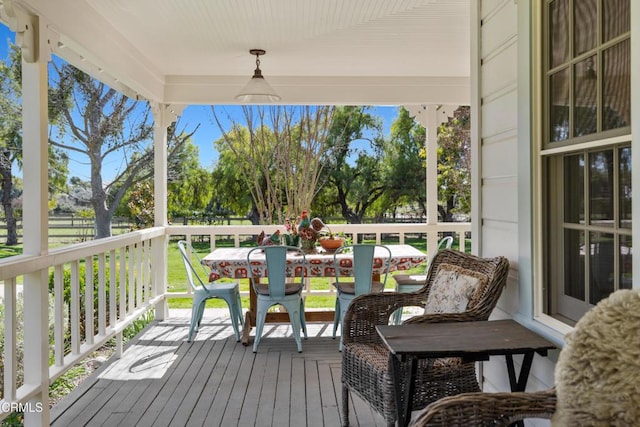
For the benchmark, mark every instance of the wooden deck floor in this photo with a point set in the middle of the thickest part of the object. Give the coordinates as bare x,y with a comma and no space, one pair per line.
161,380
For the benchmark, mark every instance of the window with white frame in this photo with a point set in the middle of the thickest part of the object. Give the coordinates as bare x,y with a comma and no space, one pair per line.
585,153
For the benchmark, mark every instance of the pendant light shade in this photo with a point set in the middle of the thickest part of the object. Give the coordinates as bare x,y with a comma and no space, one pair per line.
257,90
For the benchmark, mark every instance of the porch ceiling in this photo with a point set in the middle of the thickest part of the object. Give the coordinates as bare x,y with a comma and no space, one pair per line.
318,51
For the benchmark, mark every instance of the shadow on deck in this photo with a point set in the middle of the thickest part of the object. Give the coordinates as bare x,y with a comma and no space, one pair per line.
162,380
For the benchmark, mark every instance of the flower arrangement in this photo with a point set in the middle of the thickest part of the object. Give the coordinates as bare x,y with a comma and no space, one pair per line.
305,232
308,231
291,237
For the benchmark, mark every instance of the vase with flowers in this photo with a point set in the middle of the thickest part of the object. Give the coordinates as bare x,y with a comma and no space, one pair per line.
308,232
291,237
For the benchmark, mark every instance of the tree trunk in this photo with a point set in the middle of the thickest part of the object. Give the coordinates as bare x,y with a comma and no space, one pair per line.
254,216
102,224
99,202
7,188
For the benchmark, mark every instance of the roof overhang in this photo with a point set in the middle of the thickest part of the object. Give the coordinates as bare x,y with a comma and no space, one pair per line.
384,52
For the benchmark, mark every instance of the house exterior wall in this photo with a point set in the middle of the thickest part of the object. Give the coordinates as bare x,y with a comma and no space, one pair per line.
504,91
503,183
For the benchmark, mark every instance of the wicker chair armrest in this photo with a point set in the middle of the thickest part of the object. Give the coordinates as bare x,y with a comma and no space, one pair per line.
442,317
487,409
367,311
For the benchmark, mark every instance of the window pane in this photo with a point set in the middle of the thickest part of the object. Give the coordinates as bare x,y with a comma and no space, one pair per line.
601,263
559,32
585,18
625,187
559,106
574,189
586,97
616,87
574,253
625,262
616,18
601,188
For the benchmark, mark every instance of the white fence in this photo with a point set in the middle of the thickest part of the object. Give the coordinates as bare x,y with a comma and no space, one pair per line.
120,286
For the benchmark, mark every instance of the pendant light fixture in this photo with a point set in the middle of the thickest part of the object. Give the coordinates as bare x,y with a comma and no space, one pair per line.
257,90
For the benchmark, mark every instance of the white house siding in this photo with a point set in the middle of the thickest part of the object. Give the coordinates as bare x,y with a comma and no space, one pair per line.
497,101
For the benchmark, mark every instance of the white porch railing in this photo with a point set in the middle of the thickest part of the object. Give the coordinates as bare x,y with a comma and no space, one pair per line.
118,290
120,286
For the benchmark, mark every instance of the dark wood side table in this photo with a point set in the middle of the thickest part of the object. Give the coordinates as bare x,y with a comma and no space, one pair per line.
472,341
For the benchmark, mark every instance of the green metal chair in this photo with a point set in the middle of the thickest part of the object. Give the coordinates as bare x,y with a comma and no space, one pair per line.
278,290
412,283
361,282
228,291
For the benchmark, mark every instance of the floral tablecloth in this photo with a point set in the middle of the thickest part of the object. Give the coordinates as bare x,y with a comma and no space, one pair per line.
232,262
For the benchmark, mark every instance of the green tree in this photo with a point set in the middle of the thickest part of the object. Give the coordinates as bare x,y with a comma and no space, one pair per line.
230,192
102,124
280,155
141,204
190,186
454,165
11,141
405,172
355,179
10,137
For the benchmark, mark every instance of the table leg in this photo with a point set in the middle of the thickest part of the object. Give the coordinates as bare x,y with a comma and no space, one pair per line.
250,315
246,330
403,400
520,383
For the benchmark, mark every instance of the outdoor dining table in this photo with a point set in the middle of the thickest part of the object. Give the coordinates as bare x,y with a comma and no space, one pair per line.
232,262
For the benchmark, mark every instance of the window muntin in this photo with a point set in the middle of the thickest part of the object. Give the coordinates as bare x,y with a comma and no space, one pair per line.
587,191
588,75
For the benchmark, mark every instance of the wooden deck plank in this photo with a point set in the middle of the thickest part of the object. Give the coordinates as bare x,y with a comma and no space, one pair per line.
313,399
178,398
162,380
328,396
118,393
282,402
198,385
89,405
212,386
151,354
148,395
86,394
269,391
228,375
298,407
237,396
165,390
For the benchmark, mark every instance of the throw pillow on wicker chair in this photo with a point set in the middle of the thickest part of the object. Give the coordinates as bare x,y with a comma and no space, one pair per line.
453,289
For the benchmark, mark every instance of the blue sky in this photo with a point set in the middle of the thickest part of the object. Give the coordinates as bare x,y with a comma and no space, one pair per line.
191,116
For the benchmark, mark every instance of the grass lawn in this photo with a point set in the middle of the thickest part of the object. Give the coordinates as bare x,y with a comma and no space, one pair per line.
7,251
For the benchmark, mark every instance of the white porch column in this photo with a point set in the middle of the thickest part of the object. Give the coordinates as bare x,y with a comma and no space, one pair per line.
31,36
163,115
431,116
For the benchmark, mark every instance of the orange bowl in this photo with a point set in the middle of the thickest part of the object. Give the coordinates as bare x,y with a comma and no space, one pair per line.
330,245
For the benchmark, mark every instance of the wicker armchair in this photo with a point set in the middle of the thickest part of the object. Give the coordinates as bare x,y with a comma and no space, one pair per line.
366,367
596,378
487,409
